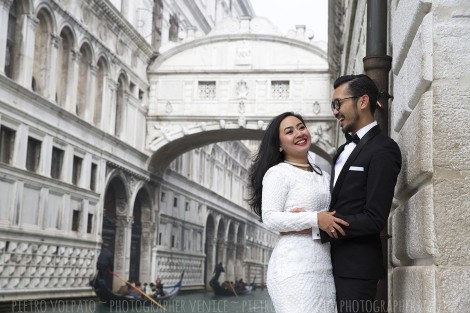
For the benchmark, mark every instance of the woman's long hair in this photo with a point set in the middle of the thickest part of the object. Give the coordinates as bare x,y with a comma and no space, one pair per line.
268,155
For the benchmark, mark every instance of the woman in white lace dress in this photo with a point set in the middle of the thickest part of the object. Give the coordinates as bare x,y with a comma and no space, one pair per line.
292,196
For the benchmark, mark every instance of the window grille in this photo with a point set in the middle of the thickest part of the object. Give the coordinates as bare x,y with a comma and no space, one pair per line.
280,89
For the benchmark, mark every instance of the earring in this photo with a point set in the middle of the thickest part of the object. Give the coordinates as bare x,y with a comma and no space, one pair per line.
280,149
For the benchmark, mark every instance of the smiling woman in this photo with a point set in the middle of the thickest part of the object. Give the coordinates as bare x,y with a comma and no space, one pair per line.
290,195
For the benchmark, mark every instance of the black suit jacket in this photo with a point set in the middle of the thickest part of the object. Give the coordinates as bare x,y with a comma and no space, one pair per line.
363,198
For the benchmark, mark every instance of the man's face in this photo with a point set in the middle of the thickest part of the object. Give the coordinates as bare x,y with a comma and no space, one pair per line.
348,113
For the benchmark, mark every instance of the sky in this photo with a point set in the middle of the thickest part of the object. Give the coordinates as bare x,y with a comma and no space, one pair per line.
285,14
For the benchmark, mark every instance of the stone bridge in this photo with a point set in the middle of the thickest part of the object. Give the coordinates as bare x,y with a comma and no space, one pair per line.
229,84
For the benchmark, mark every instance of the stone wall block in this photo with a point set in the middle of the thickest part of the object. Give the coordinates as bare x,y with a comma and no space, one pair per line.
400,111
397,229
419,225
451,38
416,73
413,290
416,144
451,115
405,21
412,228
452,216
454,289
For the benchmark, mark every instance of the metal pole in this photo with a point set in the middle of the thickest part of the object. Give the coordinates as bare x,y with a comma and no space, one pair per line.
377,65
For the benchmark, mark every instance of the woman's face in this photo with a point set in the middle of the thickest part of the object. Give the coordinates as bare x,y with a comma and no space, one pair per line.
294,138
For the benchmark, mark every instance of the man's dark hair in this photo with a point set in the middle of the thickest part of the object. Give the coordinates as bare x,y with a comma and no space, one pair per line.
359,85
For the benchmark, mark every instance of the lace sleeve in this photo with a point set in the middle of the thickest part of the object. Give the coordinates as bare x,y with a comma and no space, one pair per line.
275,192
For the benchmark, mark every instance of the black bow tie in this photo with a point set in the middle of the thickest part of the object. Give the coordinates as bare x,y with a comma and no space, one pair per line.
350,138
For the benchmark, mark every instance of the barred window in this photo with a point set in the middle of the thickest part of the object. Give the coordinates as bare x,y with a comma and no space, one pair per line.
206,90
280,89
77,169
7,144
33,154
93,175
57,161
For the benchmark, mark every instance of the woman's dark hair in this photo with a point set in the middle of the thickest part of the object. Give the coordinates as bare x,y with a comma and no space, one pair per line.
359,85
268,155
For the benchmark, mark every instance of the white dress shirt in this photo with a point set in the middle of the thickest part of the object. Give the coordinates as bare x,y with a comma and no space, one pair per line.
343,157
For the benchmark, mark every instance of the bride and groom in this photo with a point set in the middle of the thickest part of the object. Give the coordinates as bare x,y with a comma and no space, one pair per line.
329,253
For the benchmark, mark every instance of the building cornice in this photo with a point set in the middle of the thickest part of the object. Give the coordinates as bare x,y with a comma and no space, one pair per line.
109,11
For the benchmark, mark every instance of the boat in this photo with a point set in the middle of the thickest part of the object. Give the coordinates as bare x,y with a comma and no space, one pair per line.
109,298
227,289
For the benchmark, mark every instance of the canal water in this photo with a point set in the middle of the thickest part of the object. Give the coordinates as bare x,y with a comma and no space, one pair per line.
256,302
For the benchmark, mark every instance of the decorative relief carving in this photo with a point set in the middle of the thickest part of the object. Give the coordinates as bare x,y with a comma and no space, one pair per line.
168,107
243,53
241,107
120,47
27,265
321,135
316,108
87,15
242,90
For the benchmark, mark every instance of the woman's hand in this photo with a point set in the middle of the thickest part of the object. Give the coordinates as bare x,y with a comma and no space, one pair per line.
330,224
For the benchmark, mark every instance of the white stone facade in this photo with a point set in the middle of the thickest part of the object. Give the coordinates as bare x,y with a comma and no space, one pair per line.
429,263
73,156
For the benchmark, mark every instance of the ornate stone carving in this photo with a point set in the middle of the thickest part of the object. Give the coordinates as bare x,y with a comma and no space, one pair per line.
242,90
26,265
321,135
168,107
316,108
241,107
243,53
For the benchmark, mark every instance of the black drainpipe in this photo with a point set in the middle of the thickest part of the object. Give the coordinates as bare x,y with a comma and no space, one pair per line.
377,63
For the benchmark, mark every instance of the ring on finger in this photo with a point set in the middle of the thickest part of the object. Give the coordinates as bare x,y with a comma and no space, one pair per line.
333,230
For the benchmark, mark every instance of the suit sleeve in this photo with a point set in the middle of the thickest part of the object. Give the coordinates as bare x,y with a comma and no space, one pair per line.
382,176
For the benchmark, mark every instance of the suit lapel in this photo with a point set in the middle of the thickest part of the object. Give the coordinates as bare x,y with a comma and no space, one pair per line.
340,149
339,182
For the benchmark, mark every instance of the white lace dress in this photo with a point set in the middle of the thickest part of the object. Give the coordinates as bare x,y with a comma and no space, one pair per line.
299,277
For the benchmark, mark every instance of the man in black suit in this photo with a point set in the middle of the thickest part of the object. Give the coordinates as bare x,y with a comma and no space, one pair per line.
363,179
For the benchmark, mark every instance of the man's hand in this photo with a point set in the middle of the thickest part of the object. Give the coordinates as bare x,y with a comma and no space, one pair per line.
330,224
296,210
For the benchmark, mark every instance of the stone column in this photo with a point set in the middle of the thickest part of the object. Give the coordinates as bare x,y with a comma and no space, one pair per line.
4,11
109,106
222,257
122,244
90,110
211,261
239,259
231,257
26,54
55,42
71,97
148,233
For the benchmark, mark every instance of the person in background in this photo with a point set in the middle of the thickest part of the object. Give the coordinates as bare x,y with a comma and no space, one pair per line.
105,265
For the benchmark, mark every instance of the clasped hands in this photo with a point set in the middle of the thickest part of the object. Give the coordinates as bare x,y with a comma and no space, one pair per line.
326,222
